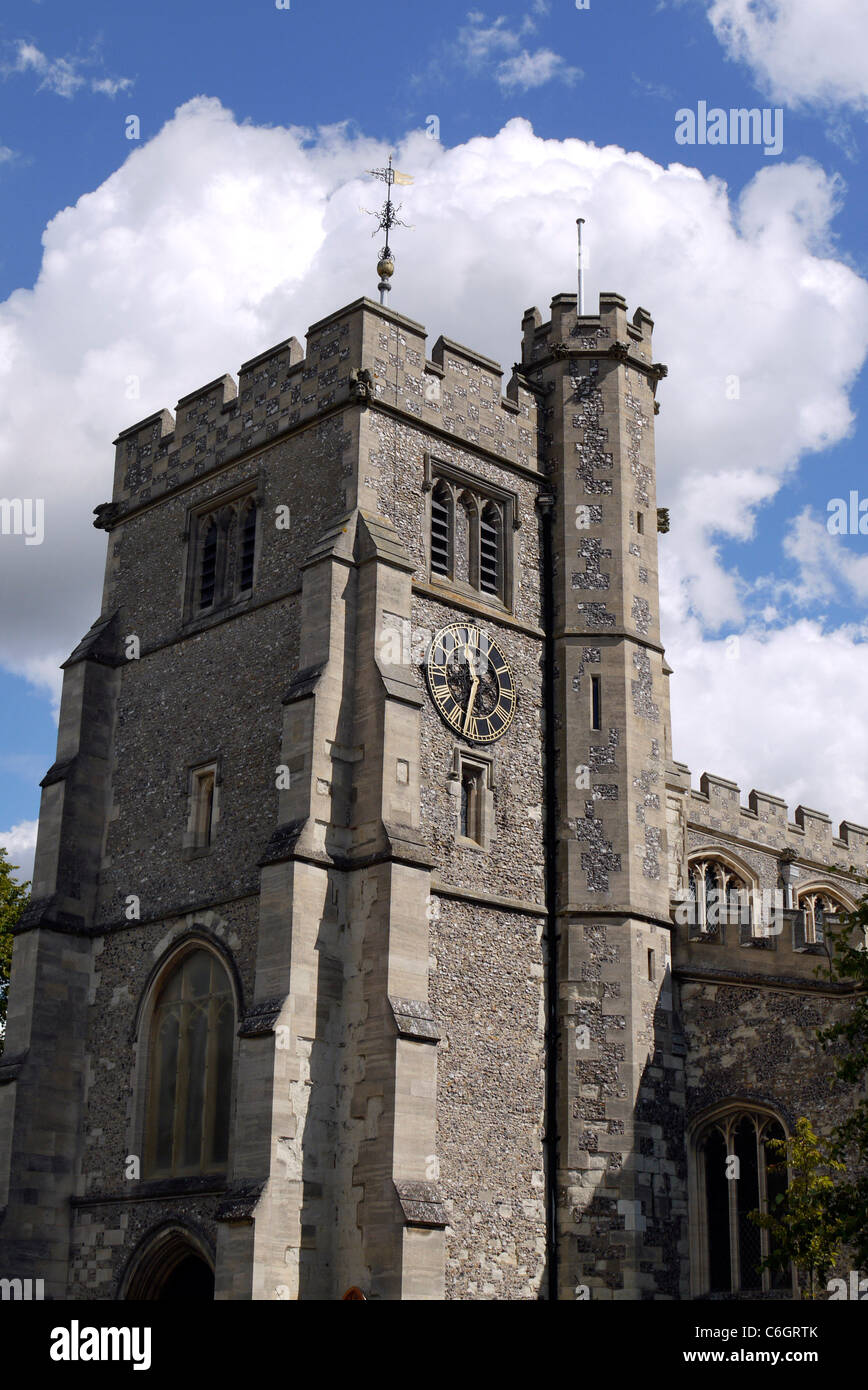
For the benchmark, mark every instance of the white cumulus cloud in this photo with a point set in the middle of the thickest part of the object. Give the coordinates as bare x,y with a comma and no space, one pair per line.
19,843
801,51
777,711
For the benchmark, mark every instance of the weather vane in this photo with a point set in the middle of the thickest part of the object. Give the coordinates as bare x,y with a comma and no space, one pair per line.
387,219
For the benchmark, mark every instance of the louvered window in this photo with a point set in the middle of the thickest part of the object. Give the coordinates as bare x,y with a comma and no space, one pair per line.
208,570
222,554
490,556
248,549
441,530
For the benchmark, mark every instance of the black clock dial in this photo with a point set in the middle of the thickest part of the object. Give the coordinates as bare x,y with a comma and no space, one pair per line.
471,682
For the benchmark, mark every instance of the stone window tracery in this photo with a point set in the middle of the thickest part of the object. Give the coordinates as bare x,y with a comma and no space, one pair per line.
818,905
470,522
718,896
222,557
190,1069
734,1174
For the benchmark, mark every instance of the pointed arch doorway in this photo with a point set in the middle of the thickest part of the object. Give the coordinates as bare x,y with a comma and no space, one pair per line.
173,1265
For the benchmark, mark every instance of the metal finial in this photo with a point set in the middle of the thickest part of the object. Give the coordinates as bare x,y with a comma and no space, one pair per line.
580,302
387,218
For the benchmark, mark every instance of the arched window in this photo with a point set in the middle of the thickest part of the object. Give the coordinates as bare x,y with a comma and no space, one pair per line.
718,896
491,549
469,526
442,530
222,555
818,905
190,1069
735,1173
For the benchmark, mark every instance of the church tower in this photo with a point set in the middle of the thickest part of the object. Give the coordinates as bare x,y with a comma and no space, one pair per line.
348,964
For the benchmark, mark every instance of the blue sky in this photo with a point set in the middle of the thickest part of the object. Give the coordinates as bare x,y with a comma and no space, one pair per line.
234,220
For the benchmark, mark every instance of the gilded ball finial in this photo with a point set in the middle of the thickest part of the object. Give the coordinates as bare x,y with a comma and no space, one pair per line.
385,267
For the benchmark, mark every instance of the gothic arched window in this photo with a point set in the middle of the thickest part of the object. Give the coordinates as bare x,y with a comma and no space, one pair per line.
717,896
468,532
190,1069
817,907
735,1174
222,555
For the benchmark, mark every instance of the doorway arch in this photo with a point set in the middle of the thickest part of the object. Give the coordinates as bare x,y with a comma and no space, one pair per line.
173,1264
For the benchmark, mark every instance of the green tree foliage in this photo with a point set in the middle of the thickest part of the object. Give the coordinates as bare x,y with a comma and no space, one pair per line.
13,900
804,1222
849,1140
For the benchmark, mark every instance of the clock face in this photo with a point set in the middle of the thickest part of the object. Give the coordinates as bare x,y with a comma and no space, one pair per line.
471,682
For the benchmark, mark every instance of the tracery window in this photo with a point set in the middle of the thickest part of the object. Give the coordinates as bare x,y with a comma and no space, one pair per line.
190,1069
718,896
222,555
817,907
735,1174
468,527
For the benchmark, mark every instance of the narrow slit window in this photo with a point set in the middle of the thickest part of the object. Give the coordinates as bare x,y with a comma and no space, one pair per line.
596,704
640,523
203,807
470,797
651,965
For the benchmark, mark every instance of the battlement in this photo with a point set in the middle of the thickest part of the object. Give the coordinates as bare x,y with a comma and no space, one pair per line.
608,331
364,354
765,821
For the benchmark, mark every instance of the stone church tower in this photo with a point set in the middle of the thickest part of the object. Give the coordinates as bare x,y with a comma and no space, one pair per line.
348,965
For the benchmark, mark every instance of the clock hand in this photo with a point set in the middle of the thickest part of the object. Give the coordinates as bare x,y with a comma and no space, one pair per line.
473,689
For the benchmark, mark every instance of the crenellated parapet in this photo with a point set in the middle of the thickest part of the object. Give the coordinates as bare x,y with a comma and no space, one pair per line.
765,821
753,891
360,356
606,334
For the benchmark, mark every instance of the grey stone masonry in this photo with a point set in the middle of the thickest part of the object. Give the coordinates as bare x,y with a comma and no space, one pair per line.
620,1087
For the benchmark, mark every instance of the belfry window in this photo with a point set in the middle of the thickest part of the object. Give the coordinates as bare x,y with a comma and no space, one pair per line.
190,1070
736,1173
222,555
469,523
